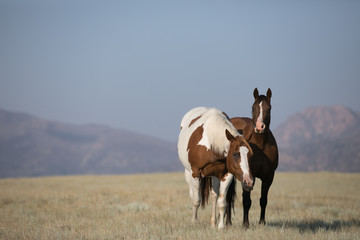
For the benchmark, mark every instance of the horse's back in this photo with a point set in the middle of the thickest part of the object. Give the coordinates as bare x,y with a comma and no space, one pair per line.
191,115
240,122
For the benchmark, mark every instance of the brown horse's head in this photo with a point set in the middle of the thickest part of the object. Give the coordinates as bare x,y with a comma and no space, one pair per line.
238,160
261,111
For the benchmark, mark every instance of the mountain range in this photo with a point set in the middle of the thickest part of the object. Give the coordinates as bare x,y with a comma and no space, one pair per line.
30,146
316,139
320,139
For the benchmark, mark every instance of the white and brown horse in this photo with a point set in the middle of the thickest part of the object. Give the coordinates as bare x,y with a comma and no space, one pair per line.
207,139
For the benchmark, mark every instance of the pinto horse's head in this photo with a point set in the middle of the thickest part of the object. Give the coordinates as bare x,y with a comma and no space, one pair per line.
261,111
238,160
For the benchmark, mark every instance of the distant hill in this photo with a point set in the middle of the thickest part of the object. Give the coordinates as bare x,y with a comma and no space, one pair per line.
316,139
320,139
30,146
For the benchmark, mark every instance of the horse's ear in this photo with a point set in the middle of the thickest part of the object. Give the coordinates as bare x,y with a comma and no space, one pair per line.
268,94
229,136
227,117
256,93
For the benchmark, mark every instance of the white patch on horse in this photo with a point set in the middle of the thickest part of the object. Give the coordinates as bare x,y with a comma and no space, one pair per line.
204,139
244,164
260,118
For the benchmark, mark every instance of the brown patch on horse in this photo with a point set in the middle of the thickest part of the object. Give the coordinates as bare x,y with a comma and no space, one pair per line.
194,120
216,169
199,156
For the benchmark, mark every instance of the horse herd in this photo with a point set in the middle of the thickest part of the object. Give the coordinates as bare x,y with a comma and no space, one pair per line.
216,150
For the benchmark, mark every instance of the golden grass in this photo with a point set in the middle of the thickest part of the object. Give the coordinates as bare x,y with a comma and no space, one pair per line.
157,206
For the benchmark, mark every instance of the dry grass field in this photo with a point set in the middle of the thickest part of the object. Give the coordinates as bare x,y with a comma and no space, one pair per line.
157,206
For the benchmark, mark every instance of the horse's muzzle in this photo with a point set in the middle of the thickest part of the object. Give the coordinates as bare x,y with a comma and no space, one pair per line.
259,127
247,183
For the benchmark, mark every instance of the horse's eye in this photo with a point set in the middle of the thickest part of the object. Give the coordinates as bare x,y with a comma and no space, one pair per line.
236,155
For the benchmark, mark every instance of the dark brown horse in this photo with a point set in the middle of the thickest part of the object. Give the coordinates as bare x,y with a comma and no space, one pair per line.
265,160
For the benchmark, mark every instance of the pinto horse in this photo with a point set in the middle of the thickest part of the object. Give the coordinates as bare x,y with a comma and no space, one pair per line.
265,160
208,139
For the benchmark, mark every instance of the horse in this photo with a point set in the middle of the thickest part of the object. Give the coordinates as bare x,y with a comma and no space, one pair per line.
265,159
208,139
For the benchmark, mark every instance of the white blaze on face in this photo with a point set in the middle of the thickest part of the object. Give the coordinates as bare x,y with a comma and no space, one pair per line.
259,127
260,118
244,164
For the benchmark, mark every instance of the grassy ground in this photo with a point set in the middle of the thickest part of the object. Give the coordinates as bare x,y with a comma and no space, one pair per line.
157,206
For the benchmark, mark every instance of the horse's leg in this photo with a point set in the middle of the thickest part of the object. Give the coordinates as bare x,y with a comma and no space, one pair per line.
224,186
266,183
214,197
246,207
194,191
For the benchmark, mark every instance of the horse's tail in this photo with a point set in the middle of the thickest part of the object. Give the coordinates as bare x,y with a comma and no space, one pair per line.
205,186
230,198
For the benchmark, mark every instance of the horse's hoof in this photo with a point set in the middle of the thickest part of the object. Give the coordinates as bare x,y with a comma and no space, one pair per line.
246,225
262,222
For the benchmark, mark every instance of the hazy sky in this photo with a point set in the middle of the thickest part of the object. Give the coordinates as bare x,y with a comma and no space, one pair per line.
140,65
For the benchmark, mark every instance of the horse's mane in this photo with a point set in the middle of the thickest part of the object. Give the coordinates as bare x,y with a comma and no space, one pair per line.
214,137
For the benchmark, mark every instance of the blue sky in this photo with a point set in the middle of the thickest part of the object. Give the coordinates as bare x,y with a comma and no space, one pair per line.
140,65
